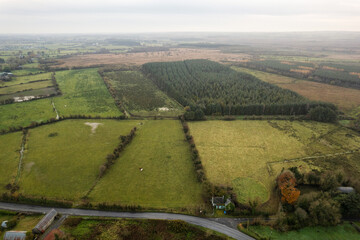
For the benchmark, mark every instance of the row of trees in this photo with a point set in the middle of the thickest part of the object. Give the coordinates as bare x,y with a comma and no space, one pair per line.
215,89
110,158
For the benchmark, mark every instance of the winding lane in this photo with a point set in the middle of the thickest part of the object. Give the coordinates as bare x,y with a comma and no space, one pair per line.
203,222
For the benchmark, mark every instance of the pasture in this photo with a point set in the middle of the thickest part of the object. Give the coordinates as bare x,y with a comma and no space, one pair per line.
347,99
168,178
10,145
140,95
26,79
24,113
84,93
241,153
62,160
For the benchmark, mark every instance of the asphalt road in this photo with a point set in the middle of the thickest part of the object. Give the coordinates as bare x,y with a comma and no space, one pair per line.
203,222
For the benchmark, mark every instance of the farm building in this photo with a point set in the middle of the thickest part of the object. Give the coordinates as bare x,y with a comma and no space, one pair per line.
345,190
15,235
5,76
45,222
220,202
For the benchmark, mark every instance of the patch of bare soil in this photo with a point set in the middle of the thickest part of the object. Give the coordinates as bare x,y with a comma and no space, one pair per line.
93,126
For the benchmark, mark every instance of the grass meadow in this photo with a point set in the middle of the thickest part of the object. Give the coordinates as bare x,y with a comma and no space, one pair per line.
168,178
140,95
22,114
10,145
62,160
347,99
84,93
238,153
24,87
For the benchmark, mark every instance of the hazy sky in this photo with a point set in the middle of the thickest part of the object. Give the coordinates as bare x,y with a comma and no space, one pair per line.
124,16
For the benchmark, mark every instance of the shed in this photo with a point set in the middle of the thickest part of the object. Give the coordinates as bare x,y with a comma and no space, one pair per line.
346,190
15,235
45,222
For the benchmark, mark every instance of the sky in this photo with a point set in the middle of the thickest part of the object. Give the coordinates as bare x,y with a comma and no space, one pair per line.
135,16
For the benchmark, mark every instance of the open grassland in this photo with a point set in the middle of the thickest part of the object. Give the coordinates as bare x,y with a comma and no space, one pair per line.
22,114
84,93
341,232
62,160
140,95
174,54
27,71
168,178
10,145
241,153
346,99
109,229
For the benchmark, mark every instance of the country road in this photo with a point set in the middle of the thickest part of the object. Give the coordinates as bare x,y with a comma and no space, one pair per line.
203,222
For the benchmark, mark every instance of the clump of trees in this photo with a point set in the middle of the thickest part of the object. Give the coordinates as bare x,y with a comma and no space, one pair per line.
323,114
325,206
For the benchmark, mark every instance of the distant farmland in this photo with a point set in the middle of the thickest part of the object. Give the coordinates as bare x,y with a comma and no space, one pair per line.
346,99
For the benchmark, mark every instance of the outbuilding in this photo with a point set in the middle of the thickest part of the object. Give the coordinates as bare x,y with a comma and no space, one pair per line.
346,190
45,222
15,235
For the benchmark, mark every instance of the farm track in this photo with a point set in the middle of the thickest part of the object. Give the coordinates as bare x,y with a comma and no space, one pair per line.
23,142
203,222
57,114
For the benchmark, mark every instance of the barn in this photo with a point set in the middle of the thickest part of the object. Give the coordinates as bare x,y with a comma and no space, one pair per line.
45,222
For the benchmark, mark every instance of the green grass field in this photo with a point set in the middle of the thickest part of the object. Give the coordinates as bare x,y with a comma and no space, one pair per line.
340,232
84,93
22,114
168,179
62,160
9,158
140,95
238,153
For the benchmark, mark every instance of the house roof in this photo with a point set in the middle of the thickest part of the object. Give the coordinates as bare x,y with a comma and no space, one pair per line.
218,200
15,235
345,189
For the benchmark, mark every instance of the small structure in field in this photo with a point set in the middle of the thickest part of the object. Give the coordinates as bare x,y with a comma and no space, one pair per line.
6,76
4,224
15,235
45,222
346,190
220,202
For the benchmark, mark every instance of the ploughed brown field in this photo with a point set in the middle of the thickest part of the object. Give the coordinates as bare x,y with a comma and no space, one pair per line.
174,54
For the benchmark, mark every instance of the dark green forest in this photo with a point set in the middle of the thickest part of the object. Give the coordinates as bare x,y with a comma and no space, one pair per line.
216,89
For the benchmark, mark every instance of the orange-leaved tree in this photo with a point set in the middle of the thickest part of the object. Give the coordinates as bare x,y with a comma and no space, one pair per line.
287,182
